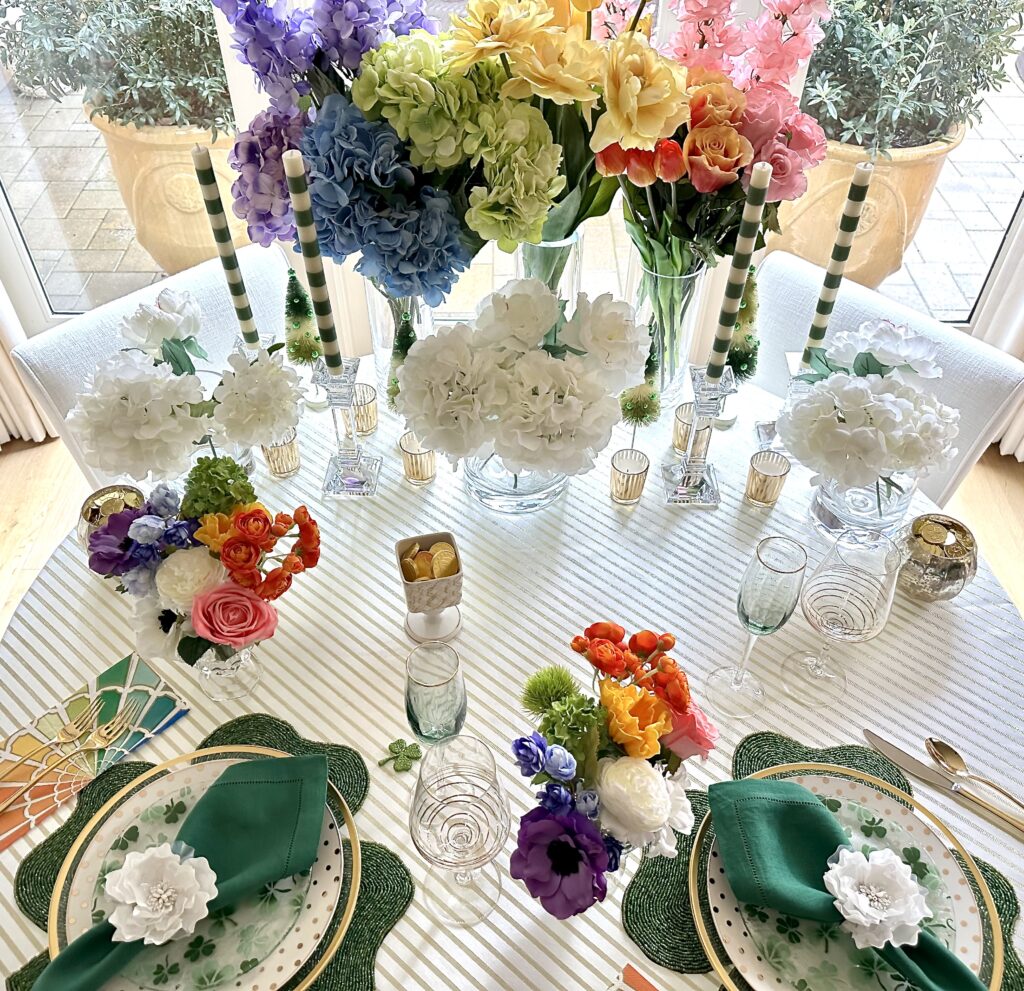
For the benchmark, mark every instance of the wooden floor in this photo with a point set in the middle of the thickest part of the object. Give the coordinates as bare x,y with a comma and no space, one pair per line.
41,491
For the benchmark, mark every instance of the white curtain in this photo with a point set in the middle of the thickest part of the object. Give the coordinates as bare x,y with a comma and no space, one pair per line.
18,414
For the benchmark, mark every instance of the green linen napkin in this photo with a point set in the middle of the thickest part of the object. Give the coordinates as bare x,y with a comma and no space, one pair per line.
258,822
775,838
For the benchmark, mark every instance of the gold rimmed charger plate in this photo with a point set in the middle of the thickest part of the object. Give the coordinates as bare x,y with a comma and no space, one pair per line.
721,967
93,824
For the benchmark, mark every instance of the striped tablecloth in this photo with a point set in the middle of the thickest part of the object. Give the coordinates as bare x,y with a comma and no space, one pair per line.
335,669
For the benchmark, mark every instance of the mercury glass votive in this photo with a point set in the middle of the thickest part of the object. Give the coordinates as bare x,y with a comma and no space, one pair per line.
629,474
364,409
767,475
419,463
283,457
681,432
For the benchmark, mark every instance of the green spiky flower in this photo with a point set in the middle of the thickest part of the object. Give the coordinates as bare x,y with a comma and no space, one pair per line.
641,405
216,485
546,687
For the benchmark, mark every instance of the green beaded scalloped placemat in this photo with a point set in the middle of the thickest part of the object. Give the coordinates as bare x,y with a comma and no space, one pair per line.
656,910
384,894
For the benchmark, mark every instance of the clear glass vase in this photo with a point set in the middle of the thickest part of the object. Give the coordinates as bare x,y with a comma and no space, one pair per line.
494,486
555,263
386,317
226,673
881,506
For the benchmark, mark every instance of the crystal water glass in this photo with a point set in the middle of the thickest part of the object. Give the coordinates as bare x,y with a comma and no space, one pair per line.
768,594
435,692
847,599
460,821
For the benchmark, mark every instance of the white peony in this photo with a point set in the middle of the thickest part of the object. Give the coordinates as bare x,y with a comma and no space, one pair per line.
258,401
641,807
185,574
135,418
559,415
892,344
518,315
174,317
855,429
159,895
158,629
450,389
878,896
615,345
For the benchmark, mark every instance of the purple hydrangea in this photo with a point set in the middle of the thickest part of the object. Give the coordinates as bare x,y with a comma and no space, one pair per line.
405,16
261,190
529,753
556,798
562,859
348,29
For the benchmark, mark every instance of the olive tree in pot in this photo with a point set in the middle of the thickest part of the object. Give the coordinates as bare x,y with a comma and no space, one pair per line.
895,82
152,80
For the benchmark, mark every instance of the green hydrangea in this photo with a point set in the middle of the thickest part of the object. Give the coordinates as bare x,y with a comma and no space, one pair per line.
579,724
216,485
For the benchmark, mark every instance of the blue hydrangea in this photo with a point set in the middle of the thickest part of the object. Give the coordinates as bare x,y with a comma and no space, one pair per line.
164,500
556,798
404,16
148,529
141,580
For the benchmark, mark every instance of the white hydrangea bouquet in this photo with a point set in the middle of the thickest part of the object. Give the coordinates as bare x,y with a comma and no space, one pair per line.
868,415
145,411
527,383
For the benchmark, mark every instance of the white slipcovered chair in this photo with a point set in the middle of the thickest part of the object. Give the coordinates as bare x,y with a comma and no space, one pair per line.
984,383
56,364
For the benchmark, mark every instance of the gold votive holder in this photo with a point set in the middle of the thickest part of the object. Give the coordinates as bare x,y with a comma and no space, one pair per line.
767,475
681,432
364,409
104,503
419,463
283,458
629,474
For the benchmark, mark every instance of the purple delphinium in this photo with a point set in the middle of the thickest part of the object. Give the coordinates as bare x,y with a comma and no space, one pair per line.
404,16
529,753
348,29
261,190
562,859
556,798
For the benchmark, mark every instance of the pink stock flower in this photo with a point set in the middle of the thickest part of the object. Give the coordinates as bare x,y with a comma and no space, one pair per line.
706,45
788,178
772,57
806,138
233,615
768,105
692,734
704,10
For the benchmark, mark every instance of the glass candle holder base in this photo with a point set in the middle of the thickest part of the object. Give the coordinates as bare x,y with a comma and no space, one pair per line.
244,347
463,899
695,487
767,437
351,474
443,625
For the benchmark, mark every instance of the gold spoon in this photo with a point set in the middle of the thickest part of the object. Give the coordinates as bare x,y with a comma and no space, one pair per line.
950,760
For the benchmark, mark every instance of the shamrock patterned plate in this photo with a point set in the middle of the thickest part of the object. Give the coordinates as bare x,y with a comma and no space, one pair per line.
257,944
772,950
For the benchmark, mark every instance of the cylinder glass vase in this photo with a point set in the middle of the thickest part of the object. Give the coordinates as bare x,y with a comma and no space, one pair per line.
387,315
880,506
555,263
493,485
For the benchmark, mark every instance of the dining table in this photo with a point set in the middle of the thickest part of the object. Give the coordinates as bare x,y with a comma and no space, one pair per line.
335,669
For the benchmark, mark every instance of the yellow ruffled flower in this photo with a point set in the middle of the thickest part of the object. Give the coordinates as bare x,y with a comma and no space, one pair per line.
561,66
637,719
645,95
490,28
214,529
565,14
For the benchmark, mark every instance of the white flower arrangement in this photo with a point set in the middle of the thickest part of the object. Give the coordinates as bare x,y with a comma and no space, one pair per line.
258,401
537,391
159,895
174,317
892,345
878,897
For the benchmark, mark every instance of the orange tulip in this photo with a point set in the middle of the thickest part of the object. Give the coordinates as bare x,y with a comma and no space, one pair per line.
610,161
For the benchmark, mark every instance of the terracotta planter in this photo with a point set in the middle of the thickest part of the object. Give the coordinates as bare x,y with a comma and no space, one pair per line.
154,173
900,190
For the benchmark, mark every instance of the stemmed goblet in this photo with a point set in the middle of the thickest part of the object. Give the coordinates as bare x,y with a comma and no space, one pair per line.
769,592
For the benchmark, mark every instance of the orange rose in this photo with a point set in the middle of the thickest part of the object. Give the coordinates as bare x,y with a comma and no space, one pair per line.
275,584
214,529
239,553
716,102
636,719
606,657
714,155
254,523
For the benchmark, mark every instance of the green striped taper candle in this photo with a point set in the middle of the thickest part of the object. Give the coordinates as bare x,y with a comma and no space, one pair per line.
840,253
225,248
295,171
750,222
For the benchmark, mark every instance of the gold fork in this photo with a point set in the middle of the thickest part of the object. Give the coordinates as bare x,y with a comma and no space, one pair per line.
99,738
67,734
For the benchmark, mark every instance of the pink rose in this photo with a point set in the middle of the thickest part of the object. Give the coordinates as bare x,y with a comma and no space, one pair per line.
768,105
233,615
806,138
788,178
692,733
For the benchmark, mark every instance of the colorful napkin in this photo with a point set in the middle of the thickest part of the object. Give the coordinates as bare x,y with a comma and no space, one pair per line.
259,822
775,839
131,677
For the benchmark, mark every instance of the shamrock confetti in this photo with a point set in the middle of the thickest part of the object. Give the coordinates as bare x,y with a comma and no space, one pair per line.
403,754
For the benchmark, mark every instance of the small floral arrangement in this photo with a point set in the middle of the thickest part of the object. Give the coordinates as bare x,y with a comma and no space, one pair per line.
205,581
609,770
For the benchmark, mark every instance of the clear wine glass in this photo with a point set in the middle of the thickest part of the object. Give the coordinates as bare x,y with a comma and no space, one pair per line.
435,692
459,821
768,594
847,599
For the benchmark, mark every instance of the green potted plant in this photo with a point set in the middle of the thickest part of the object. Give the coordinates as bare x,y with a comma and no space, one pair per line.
895,82
153,83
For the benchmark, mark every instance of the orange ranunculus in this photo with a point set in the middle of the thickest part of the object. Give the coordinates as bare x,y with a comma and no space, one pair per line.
310,556
671,684
293,564
605,631
716,101
580,644
643,643
606,657
239,553
666,641
214,529
254,523
250,578
714,155
636,719
275,584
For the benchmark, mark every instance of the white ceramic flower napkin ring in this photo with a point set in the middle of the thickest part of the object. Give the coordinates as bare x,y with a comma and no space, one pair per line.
878,896
160,894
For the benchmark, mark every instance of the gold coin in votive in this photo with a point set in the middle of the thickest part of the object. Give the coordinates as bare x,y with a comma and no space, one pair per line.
111,506
441,545
411,552
423,561
409,572
444,564
934,533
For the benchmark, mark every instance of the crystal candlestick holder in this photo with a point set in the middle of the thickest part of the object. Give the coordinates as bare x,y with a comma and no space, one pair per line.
242,346
350,472
767,437
692,481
